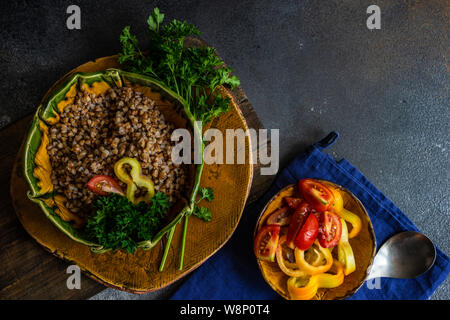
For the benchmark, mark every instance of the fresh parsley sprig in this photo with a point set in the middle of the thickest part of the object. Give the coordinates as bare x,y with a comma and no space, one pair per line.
193,73
203,212
199,212
119,224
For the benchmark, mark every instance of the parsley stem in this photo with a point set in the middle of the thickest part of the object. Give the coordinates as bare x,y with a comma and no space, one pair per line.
183,243
166,249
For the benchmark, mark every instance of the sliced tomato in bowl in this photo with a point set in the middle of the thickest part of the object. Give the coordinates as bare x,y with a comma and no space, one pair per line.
280,216
330,229
316,194
308,232
292,202
297,221
103,185
266,242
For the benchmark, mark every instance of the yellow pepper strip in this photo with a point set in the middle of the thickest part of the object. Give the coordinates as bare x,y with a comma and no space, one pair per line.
345,252
120,171
305,288
134,180
309,268
300,291
318,256
287,269
352,218
338,203
328,280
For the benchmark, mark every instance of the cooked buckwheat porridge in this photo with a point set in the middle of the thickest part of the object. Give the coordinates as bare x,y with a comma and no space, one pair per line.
96,131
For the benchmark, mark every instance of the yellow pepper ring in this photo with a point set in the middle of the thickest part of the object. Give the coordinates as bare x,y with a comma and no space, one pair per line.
306,292
318,258
345,251
309,268
281,263
328,280
287,263
134,180
352,218
120,171
323,280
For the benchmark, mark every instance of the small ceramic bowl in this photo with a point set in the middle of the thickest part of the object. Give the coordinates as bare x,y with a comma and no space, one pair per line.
363,245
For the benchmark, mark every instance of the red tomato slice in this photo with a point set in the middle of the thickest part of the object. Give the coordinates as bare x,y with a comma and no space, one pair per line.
266,242
103,185
316,194
330,229
292,203
308,233
280,216
297,220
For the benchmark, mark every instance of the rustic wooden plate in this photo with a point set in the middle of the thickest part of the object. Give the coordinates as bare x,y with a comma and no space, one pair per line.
139,273
363,245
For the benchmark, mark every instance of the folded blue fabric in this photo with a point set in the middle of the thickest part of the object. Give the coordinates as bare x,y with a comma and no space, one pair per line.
232,273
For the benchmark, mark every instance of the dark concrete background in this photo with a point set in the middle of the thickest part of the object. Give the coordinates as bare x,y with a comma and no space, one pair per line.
308,67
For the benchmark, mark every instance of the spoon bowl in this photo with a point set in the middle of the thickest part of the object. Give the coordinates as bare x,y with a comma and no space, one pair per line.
405,255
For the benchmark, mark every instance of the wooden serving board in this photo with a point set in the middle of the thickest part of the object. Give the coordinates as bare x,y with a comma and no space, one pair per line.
29,272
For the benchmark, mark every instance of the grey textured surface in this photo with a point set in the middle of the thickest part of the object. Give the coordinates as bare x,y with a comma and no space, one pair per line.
308,67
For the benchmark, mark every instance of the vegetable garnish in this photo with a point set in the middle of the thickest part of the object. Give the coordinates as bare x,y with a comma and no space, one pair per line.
119,224
193,73
305,287
292,202
289,268
103,185
309,268
308,232
353,219
134,179
206,193
297,221
330,229
316,194
302,288
202,212
266,242
281,216
304,251
199,212
345,251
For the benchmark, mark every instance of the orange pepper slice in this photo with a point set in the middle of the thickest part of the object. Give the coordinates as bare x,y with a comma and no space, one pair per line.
305,288
297,291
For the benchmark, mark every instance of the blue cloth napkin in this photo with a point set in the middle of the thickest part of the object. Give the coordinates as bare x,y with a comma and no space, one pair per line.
232,273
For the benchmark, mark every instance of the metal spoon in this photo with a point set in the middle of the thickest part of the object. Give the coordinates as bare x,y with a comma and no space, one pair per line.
405,255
